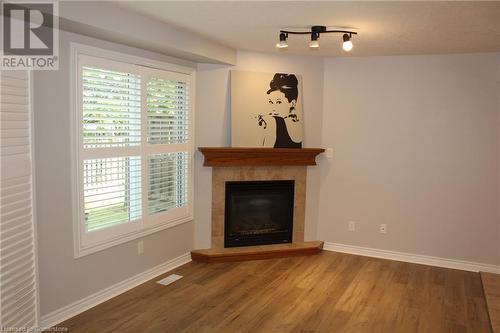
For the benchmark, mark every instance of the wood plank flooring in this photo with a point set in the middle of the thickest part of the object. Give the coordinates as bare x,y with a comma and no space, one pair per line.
491,285
328,292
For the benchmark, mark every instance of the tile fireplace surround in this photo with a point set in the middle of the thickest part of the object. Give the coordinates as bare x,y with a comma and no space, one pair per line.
220,175
249,164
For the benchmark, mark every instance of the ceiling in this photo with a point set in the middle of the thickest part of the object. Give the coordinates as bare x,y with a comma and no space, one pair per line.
385,28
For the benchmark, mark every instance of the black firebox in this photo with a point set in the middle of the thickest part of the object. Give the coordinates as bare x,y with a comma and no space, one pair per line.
258,212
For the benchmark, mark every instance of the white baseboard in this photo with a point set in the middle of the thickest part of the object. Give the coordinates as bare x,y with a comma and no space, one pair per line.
71,310
413,258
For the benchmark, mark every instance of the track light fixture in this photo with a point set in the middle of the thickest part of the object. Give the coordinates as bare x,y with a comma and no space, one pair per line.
315,32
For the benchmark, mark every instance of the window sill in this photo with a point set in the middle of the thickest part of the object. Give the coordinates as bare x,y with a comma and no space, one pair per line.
84,251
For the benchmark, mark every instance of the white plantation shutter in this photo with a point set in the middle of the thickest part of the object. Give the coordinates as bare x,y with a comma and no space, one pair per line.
134,147
18,295
168,131
168,111
111,108
111,122
112,189
168,181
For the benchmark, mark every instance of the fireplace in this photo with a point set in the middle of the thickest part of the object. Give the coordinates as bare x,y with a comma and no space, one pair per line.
262,169
258,212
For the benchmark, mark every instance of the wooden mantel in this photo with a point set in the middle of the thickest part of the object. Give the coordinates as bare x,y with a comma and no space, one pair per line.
227,156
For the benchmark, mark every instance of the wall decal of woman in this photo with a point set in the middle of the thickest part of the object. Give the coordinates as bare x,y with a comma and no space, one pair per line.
283,94
266,109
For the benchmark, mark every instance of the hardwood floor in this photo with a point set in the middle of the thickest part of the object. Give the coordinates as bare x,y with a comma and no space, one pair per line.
328,292
491,285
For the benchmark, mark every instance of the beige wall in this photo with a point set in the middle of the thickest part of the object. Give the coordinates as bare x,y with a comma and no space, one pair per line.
63,279
416,146
213,125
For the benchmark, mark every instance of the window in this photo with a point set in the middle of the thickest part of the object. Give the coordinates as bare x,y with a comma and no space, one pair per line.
133,147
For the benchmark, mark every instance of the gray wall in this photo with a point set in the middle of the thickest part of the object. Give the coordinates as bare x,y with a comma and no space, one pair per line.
416,146
92,18
213,125
415,141
63,279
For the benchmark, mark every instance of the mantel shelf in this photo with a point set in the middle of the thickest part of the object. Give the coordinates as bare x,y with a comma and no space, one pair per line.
228,156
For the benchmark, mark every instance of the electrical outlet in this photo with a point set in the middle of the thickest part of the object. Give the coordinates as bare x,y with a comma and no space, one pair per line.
383,228
351,226
140,247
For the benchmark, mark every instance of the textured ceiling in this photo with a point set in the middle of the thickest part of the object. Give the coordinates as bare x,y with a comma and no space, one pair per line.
385,28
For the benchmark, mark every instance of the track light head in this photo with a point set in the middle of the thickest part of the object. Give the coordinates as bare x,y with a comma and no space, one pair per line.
314,43
282,44
347,45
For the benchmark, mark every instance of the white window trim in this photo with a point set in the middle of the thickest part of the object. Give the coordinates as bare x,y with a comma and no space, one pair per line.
77,50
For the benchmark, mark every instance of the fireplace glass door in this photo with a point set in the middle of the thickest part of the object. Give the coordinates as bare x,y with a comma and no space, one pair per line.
258,212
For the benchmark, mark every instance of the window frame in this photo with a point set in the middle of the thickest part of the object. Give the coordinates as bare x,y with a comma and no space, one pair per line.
109,237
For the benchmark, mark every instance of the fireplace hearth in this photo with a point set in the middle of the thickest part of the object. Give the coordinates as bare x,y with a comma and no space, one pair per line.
258,212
